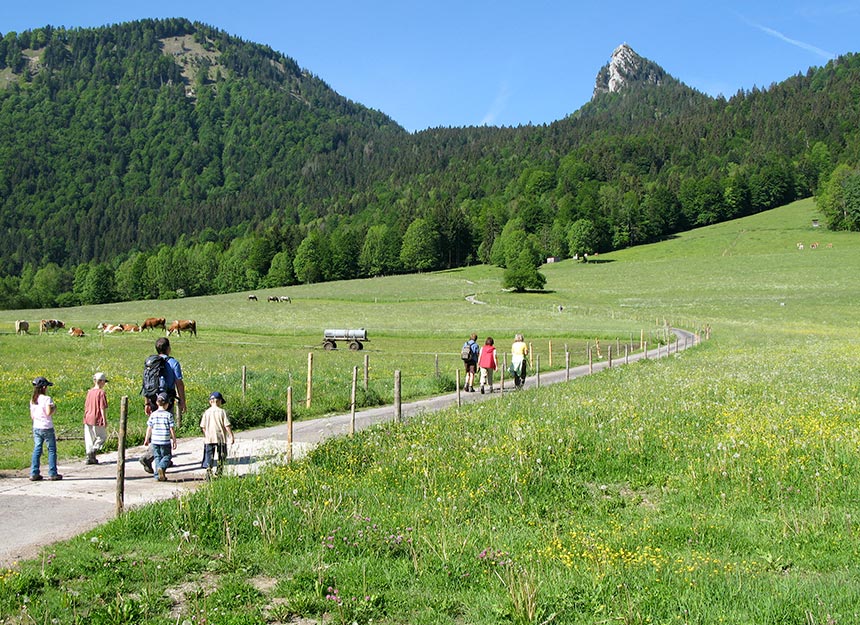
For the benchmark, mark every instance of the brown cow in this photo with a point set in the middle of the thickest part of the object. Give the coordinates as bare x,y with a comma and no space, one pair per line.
109,328
189,325
154,322
22,327
73,331
50,324
130,327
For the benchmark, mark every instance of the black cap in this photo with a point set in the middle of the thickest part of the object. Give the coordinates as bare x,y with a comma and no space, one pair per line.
42,381
218,396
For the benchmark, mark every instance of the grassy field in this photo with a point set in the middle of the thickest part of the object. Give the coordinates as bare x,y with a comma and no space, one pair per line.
716,486
272,340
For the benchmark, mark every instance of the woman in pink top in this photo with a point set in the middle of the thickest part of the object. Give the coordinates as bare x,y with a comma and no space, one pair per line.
487,362
42,413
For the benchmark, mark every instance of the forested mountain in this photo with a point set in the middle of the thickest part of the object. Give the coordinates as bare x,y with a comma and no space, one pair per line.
163,158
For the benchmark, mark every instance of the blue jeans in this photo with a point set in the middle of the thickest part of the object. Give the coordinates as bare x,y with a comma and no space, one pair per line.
41,437
161,455
209,450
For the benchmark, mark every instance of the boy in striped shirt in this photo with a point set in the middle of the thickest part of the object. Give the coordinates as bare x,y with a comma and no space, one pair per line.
159,432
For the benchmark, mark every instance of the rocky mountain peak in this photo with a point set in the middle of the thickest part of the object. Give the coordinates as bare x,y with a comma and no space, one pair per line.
624,69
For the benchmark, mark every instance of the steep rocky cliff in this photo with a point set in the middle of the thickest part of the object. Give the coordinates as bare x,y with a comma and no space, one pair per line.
627,68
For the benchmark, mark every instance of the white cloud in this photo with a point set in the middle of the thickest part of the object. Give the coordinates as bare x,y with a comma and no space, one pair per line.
497,106
799,44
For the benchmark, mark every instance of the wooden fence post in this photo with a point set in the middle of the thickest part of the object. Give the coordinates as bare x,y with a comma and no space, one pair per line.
289,424
352,401
366,371
437,365
459,401
550,354
244,380
626,355
398,415
590,361
310,379
537,371
120,456
566,366
609,354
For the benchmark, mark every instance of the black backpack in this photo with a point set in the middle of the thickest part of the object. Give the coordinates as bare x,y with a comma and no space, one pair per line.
153,373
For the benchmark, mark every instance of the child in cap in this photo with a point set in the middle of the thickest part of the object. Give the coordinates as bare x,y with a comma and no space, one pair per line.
216,427
42,409
95,418
160,432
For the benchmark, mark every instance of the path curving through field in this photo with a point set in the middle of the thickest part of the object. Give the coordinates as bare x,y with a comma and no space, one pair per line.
86,497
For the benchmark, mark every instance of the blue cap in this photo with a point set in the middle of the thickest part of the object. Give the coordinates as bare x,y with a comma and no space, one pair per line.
162,398
218,396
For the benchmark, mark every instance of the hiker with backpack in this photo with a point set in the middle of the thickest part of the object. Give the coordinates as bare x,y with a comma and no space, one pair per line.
161,374
469,356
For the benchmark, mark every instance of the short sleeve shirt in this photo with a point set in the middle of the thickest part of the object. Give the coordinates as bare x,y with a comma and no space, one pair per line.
172,372
161,422
39,413
95,407
214,423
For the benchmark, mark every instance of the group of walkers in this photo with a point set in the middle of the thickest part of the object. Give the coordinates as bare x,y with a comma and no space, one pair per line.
484,358
162,389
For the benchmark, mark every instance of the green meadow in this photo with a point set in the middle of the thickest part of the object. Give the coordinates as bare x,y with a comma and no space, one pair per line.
718,485
416,325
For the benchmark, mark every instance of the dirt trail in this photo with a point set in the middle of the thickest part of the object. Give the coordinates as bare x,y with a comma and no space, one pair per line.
36,514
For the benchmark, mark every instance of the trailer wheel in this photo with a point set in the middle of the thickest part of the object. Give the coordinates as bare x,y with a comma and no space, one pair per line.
355,346
329,345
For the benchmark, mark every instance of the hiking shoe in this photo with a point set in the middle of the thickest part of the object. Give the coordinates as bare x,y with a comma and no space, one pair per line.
91,458
146,463
55,478
161,476
36,477
482,390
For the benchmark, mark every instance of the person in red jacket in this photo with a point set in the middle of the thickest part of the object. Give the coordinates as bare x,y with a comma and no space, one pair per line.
95,417
488,363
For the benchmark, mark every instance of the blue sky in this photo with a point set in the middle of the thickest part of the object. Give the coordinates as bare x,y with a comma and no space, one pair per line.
437,63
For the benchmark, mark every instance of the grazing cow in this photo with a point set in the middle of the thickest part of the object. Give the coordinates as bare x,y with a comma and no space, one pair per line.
22,327
154,322
73,331
130,327
274,298
46,325
109,328
189,325
285,298
252,298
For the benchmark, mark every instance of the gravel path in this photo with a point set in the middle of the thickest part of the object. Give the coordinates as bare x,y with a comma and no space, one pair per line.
36,514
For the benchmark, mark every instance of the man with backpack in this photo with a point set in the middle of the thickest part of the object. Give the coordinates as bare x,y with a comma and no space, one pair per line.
161,374
469,356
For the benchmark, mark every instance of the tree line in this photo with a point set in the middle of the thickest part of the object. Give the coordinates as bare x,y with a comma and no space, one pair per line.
243,170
